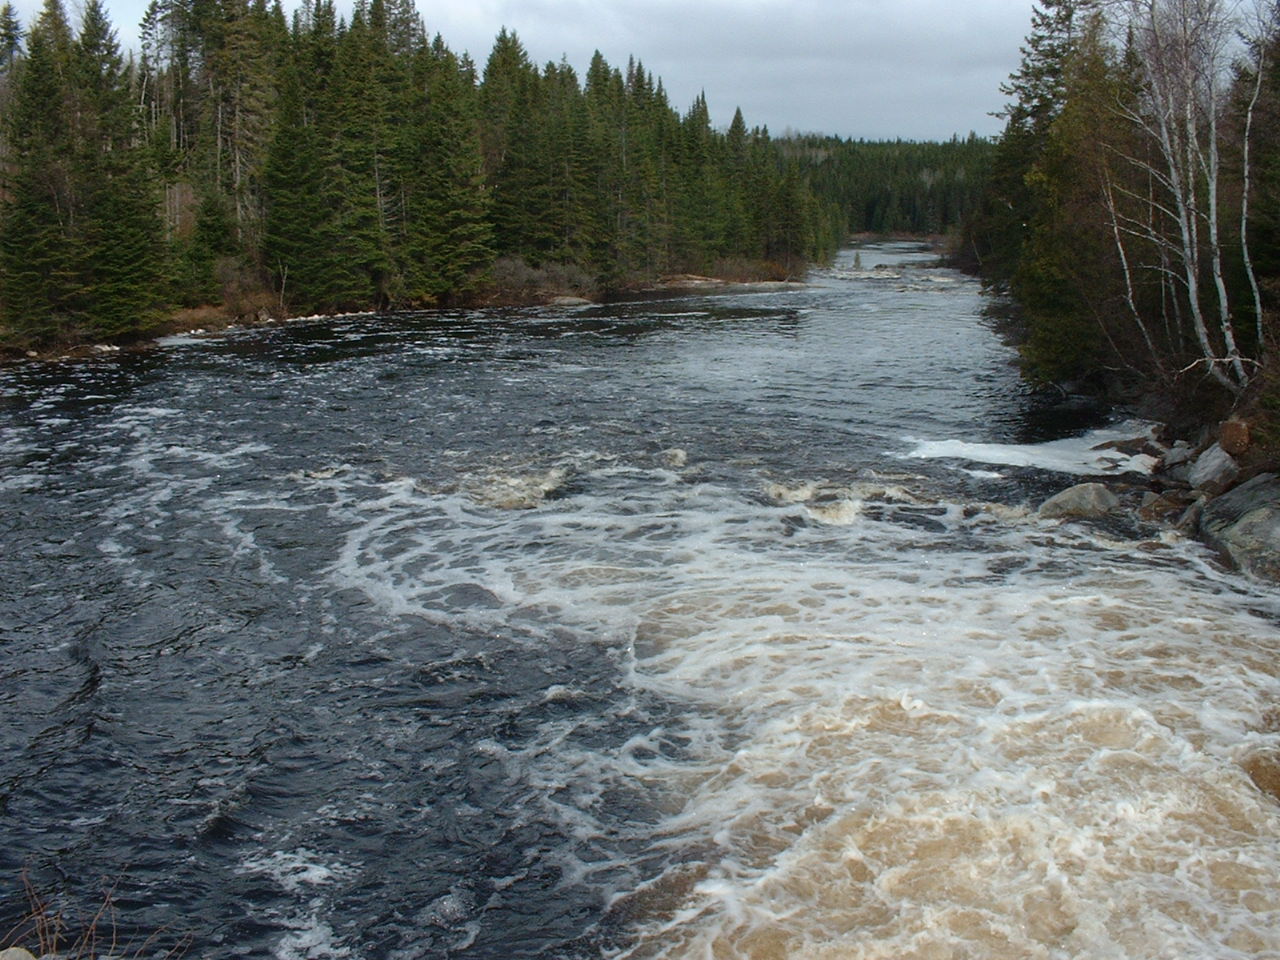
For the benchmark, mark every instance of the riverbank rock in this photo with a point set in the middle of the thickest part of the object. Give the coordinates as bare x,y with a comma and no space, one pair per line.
1213,471
1175,465
1244,524
1233,437
1165,506
1084,500
1139,446
16,953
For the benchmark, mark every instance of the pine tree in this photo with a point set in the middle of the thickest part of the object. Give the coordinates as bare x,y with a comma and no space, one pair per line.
237,73
79,253
1065,279
10,52
1037,88
10,39
119,230
295,219
516,150
448,238
570,228
38,246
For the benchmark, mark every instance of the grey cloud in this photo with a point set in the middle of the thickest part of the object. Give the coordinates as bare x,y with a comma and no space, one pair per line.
921,69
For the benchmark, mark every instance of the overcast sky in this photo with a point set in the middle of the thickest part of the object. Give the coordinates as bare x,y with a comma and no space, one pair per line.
917,69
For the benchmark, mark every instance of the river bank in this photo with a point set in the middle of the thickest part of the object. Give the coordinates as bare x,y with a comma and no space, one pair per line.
212,320
1220,487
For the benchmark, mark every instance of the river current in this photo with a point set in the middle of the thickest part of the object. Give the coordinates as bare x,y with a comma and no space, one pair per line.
712,627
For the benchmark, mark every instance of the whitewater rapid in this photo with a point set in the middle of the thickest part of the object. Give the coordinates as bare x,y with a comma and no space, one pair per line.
706,628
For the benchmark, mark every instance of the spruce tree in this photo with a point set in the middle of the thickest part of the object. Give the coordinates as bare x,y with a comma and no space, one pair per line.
298,224
10,40
448,237
516,146
39,248
1038,95
118,228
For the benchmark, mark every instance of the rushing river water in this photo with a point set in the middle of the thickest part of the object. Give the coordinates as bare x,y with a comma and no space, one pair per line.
715,627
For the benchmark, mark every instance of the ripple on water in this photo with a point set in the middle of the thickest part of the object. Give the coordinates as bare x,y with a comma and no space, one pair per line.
637,634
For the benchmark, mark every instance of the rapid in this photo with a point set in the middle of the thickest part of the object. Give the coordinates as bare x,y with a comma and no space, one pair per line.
706,627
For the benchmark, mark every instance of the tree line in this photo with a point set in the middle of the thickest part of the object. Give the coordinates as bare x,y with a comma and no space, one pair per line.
1133,204
896,186
311,163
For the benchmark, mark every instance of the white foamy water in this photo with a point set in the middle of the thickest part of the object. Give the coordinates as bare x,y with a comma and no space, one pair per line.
909,728
641,633
1087,455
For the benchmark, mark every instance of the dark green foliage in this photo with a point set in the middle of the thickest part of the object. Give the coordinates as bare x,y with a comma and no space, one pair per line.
1264,233
448,233
81,254
10,38
324,165
1000,223
1080,217
896,186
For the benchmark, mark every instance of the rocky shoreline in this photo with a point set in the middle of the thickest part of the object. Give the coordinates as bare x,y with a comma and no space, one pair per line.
1215,489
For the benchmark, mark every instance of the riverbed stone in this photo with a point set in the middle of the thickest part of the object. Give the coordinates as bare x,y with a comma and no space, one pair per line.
1164,506
519,491
1214,470
1084,500
1244,524
1263,769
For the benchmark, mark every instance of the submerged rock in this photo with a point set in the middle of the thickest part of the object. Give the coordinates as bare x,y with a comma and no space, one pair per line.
1084,500
519,492
1244,524
835,512
1137,446
1263,769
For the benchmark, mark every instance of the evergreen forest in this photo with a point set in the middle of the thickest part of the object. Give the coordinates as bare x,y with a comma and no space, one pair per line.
896,186
245,162
1133,205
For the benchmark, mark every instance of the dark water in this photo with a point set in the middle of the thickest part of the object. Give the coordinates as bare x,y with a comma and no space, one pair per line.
343,638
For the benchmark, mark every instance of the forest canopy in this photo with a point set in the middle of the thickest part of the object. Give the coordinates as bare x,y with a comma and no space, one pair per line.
1134,199
260,161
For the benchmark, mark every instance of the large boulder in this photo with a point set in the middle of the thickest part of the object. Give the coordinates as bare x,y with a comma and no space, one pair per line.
1214,470
1084,500
1244,524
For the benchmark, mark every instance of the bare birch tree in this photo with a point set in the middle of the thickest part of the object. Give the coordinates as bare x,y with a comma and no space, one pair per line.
1184,51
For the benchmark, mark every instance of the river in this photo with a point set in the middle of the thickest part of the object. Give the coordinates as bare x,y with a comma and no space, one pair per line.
711,627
